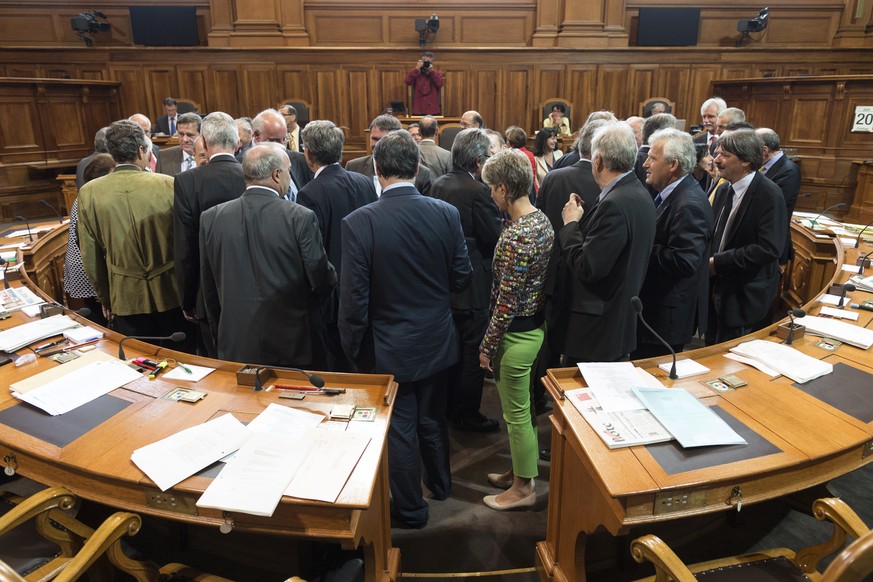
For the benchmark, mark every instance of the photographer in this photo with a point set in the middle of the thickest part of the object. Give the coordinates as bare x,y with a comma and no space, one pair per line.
426,82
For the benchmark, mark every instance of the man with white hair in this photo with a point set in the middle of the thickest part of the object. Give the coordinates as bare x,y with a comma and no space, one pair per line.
676,288
604,250
709,112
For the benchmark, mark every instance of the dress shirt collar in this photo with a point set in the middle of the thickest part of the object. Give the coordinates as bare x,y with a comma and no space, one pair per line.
428,140
127,167
668,189
769,163
398,185
741,185
319,170
213,156
264,188
608,188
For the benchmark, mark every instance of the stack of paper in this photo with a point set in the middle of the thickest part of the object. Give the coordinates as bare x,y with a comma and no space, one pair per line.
863,283
612,383
838,330
17,298
618,429
17,337
685,368
82,335
691,422
784,359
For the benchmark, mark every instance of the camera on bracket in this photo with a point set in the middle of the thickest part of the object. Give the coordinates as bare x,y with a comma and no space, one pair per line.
87,23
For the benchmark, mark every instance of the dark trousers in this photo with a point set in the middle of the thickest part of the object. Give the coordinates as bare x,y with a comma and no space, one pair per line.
205,342
159,324
716,331
465,392
652,350
418,442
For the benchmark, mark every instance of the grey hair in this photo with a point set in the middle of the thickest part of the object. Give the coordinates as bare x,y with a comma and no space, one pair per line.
386,123
495,133
261,160
678,147
512,169
616,145
471,147
770,138
123,141
219,131
244,124
733,115
324,141
602,114
396,155
189,119
719,103
745,144
583,142
100,140
655,123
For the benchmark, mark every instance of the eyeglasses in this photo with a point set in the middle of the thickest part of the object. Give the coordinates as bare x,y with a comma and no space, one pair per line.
278,140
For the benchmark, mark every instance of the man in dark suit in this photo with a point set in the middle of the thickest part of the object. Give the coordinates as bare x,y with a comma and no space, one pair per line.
605,251
180,158
437,160
269,126
750,225
675,291
167,123
403,257
652,124
785,174
195,192
573,157
264,270
332,195
99,148
480,221
379,128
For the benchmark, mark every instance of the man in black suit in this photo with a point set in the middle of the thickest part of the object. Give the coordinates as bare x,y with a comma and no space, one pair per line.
180,158
269,125
750,231
654,123
480,220
675,291
264,270
785,174
195,192
605,251
403,257
379,128
167,123
573,157
332,195
99,148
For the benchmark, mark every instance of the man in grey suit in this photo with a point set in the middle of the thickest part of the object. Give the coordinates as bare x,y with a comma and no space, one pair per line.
99,148
379,128
264,270
180,158
269,126
437,160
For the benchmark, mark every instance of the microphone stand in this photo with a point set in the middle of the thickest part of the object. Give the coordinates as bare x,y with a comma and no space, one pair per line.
27,224
858,240
638,308
178,336
814,222
862,262
314,379
55,210
792,313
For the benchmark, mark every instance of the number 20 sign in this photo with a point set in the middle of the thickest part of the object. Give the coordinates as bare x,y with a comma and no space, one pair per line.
863,119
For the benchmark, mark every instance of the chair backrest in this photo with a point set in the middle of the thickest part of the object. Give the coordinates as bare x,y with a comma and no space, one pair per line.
185,105
647,105
854,563
448,132
545,108
304,109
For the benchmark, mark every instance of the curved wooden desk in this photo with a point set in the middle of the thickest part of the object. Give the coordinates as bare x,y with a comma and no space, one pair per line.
97,465
592,486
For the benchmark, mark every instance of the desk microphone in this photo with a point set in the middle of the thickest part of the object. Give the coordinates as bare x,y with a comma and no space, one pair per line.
638,308
862,262
858,240
792,313
178,336
5,264
55,210
54,308
314,379
840,206
29,234
846,287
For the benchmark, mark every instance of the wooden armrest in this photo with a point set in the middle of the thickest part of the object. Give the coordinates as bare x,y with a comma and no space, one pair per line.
7,574
667,564
846,522
107,537
45,500
854,564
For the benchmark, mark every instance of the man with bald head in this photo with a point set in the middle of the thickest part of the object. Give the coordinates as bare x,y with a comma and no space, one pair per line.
146,125
269,126
472,119
264,270
437,160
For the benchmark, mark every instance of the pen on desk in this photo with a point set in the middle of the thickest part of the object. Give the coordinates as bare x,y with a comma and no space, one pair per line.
863,306
50,345
185,368
296,388
158,370
306,391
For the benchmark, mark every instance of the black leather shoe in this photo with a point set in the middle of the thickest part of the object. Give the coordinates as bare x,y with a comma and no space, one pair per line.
546,455
477,423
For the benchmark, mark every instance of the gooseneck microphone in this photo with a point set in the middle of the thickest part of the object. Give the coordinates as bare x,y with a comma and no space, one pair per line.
858,240
314,379
27,224
54,308
55,210
862,262
846,288
5,264
638,309
179,336
840,206
792,313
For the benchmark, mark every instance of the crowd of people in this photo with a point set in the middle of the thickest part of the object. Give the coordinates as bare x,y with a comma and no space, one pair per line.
437,267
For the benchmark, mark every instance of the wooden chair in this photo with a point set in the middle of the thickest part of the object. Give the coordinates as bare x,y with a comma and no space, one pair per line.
185,105
646,106
447,134
545,108
853,563
304,109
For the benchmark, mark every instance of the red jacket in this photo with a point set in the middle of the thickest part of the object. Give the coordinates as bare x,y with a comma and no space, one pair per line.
425,91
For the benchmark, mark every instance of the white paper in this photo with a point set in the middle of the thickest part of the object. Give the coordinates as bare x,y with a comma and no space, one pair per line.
25,232
255,480
750,362
332,458
618,429
284,421
19,336
197,373
29,311
834,300
839,330
612,384
685,368
784,359
840,313
847,242
851,268
689,420
177,457
79,387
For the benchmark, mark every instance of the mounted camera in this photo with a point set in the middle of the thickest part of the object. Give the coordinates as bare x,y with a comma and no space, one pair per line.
748,26
427,29
86,23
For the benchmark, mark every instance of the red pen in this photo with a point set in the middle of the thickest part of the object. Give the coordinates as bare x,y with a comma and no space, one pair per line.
296,388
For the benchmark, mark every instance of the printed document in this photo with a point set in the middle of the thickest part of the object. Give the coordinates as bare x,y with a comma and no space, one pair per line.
612,384
688,419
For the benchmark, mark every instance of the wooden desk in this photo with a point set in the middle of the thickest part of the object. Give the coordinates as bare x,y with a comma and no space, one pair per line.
591,486
97,465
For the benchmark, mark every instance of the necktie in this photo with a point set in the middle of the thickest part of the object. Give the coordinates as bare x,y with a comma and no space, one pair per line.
172,126
292,143
189,163
658,200
717,239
